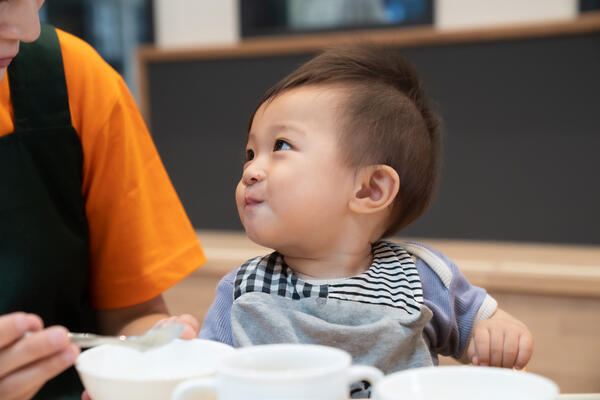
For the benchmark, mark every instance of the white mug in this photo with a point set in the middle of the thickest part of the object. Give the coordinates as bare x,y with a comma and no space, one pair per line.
281,372
464,383
110,372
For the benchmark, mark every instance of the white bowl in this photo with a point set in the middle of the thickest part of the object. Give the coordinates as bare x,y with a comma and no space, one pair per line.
116,372
465,383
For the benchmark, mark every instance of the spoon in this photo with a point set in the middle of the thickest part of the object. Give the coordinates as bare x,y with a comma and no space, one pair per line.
155,337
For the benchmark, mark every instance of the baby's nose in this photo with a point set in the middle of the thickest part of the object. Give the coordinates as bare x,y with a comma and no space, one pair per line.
253,175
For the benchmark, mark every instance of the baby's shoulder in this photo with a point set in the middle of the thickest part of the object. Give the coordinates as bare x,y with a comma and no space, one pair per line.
428,260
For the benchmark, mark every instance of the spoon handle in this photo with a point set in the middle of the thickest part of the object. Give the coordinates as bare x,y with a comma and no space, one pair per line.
85,340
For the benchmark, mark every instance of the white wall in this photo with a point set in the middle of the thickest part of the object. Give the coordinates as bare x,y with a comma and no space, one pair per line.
180,23
480,13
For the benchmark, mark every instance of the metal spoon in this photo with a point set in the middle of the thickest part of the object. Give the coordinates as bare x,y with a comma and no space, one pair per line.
155,337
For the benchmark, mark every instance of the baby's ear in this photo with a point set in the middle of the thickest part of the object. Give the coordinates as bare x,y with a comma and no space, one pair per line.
375,189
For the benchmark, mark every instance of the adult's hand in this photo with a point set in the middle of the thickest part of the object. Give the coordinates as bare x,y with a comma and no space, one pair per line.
27,362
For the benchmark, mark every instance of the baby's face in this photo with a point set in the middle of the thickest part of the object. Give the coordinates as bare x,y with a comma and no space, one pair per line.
294,190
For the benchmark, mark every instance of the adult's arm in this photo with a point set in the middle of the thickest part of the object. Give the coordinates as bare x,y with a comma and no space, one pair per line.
138,318
140,240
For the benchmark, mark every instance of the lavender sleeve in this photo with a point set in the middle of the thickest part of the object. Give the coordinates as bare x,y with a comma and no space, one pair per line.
217,322
456,308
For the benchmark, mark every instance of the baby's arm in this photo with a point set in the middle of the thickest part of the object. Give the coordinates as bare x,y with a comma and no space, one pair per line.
217,322
467,324
501,341
457,305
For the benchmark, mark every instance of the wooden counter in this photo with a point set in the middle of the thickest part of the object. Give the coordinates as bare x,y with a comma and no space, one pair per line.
398,37
554,289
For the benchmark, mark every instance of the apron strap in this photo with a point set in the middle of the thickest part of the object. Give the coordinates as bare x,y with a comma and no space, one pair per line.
37,84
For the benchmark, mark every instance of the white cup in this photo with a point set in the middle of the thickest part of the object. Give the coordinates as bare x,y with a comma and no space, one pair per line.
464,383
281,372
111,372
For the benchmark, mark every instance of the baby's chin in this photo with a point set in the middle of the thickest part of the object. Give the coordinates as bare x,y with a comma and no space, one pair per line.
257,236
262,238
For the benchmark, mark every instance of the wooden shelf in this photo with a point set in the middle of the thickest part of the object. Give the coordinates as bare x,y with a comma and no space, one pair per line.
400,37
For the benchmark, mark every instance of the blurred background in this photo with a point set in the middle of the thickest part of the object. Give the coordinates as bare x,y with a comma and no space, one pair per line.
516,82
502,100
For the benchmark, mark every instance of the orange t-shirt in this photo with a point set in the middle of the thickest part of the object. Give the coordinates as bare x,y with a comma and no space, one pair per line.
141,241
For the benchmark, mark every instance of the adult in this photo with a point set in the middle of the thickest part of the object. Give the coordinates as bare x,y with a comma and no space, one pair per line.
91,230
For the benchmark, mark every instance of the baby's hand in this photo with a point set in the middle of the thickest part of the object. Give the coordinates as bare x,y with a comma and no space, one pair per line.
192,327
501,341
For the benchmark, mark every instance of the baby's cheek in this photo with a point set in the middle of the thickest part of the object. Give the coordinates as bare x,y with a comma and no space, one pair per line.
239,198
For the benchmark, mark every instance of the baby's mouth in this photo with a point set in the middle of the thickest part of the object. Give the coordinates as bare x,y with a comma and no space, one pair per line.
251,201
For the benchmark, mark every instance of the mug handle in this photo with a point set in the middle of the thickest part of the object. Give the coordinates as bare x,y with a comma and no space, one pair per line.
364,373
196,389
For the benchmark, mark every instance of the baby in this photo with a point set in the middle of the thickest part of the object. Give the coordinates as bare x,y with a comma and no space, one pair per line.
341,153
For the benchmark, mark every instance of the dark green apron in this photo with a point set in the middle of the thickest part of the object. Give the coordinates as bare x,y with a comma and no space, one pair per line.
43,226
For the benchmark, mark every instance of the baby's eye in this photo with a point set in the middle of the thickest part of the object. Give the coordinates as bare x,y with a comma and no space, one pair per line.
281,145
249,154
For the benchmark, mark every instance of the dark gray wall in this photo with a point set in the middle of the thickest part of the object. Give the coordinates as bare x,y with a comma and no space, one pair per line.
522,135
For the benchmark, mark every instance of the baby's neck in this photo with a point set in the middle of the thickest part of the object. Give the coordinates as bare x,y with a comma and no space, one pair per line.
342,263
